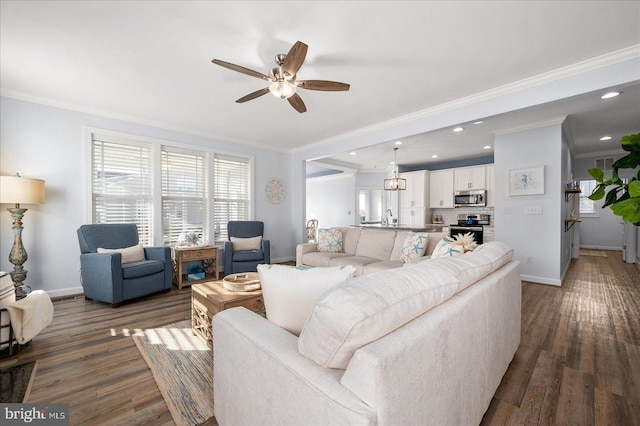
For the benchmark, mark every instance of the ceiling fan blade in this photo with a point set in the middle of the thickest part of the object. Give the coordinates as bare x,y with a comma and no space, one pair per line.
324,85
253,95
294,59
296,102
243,70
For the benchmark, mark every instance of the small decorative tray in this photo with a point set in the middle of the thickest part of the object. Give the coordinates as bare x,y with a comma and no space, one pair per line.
248,281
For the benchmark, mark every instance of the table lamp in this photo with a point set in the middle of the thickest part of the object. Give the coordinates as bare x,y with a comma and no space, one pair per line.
18,190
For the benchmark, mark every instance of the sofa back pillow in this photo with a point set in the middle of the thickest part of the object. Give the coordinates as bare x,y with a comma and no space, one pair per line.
352,315
446,248
290,292
398,243
251,243
376,243
129,254
330,240
350,237
468,268
498,252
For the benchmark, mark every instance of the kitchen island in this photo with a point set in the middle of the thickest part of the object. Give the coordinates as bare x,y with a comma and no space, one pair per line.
429,227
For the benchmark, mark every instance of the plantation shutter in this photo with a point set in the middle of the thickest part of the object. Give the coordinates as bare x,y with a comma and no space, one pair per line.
183,193
121,184
232,192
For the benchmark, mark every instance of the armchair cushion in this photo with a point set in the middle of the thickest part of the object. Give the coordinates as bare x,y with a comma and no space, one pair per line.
141,268
252,243
129,254
247,255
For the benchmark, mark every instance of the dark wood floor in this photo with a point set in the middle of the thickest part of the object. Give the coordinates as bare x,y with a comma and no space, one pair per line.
578,362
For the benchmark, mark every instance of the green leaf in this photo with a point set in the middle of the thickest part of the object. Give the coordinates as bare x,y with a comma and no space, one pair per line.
629,209
598,193
631,141
634,188
612,196
597,174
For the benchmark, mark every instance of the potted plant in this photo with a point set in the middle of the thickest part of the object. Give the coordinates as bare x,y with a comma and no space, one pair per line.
624,198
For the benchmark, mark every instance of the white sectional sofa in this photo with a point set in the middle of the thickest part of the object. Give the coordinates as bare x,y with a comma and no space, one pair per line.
425,344
367,249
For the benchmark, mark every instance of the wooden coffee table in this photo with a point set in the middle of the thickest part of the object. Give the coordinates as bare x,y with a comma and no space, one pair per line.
207,299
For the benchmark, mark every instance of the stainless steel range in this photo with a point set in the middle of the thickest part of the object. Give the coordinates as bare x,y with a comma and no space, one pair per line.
470,223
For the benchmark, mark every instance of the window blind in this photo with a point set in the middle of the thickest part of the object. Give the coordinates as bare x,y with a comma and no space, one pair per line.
232,192
183,193
122,185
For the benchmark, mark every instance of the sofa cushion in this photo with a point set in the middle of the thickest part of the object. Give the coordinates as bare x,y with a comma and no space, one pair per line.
330,240
498,252
366,308
252,243
321,258
375,243
446,248
350,237
129,254
141,268
358,262
414,246
398,243
468,268
291,292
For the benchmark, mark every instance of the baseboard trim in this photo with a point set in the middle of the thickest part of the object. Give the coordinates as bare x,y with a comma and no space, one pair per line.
65,292
601,248
541,280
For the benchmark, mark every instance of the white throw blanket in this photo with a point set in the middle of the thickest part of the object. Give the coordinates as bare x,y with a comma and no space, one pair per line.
30,315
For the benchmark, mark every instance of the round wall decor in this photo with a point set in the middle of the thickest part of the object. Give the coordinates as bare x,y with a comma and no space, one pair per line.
274,190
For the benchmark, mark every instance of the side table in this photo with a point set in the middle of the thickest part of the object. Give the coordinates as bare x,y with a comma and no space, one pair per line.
207,254
207,299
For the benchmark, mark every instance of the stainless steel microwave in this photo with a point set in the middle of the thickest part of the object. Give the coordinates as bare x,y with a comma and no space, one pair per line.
473,198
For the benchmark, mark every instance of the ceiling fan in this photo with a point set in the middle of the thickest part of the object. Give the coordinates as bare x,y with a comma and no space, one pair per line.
283,78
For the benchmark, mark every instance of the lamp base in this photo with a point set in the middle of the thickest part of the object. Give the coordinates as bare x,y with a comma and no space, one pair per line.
18,254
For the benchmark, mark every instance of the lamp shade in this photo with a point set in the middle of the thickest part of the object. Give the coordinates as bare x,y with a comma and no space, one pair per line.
19,190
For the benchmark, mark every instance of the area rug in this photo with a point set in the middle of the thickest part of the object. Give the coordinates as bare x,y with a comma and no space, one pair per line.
16,381
182,366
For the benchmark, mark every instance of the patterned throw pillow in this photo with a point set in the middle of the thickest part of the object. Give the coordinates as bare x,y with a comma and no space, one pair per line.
330,240
414,246
446,249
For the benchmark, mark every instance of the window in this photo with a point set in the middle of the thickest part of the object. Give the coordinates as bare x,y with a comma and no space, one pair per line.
588,208
232,192
183,193
166,189
122,185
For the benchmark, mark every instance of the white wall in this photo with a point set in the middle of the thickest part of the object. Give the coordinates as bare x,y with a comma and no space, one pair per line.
332,201
48,143
606,230
538,237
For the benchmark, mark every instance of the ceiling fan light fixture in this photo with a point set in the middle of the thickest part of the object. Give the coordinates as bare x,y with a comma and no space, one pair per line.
282,89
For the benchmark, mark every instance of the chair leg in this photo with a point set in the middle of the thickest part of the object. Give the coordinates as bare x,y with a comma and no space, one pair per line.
114,305
166,290
87,298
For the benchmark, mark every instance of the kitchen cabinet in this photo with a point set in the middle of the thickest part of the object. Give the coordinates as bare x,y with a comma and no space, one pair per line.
416,193
491,193
470,178
413,217
441,189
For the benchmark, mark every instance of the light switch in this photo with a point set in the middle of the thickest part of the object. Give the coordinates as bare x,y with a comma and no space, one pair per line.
533,210
506,210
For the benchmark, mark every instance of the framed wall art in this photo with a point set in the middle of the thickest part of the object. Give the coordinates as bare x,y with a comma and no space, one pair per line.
527,181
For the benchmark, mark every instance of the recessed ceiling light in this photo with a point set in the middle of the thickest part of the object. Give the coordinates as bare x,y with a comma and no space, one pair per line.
392,162
434,156
352,153
478,122
398,143
458,129
610,95
605,138
486,147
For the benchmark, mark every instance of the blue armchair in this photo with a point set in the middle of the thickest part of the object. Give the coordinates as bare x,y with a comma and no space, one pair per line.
106,279
245,260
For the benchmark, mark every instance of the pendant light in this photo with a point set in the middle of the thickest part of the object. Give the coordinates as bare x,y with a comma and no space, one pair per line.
396,183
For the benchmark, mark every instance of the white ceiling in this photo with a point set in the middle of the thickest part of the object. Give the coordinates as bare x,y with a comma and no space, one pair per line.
150,62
